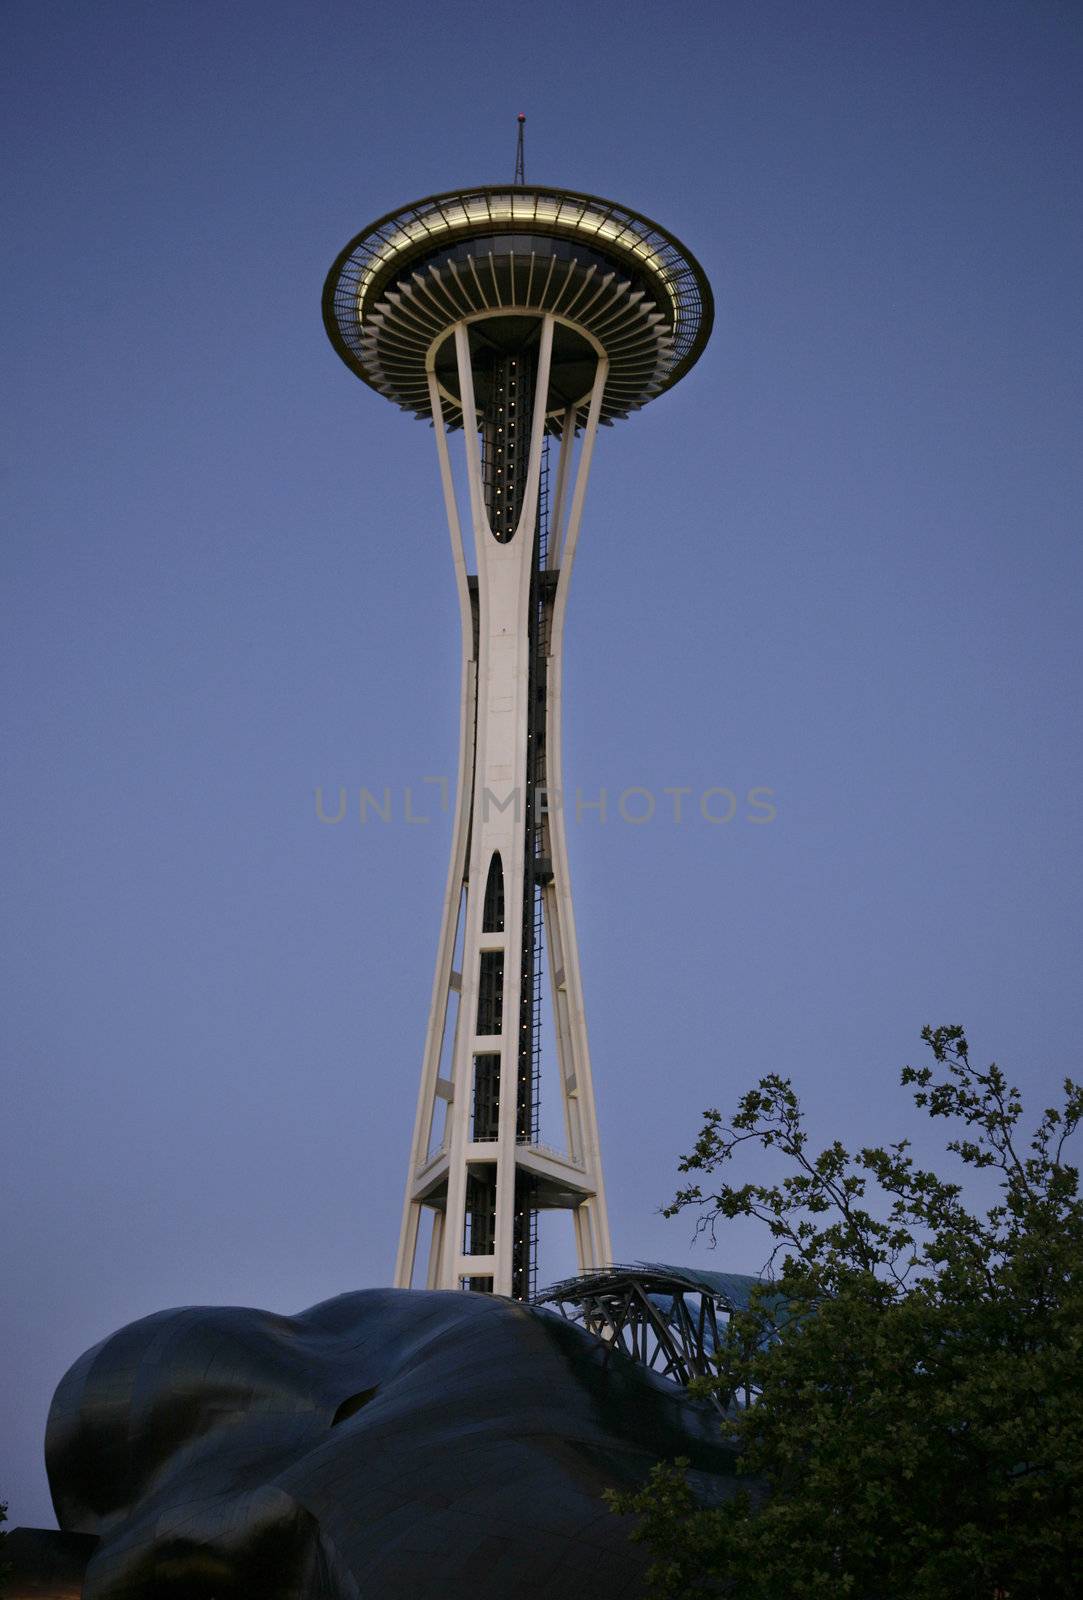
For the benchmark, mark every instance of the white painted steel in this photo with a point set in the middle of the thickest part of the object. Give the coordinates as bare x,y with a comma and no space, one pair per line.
577,1085
442,980
488,819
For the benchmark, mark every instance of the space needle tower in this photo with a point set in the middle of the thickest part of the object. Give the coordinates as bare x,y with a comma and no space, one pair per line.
522,318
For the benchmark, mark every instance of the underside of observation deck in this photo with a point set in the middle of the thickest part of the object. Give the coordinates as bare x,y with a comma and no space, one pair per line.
600,269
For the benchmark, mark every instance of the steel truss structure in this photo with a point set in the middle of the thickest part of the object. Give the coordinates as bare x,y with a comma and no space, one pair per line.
525,319
669,1319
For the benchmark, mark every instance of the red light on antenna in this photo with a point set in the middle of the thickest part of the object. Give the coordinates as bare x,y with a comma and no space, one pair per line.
522,116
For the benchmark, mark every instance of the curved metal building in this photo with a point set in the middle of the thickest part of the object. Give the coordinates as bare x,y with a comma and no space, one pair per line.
524,317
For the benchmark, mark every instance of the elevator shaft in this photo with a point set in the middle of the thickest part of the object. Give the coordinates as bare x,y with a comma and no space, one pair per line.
505,388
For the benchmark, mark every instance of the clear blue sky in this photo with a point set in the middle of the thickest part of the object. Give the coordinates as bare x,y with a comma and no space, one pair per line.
840,561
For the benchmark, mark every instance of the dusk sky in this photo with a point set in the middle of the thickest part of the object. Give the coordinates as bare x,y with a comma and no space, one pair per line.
840,562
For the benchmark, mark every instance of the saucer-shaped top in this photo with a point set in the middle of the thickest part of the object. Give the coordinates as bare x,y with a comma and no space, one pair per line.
614,280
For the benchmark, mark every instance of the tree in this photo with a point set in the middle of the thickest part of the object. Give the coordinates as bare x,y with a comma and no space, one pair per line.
919,1426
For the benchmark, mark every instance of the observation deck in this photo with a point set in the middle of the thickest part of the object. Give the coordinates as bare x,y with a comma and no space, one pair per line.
499,258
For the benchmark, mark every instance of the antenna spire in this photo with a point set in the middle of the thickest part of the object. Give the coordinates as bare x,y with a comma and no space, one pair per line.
520,175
